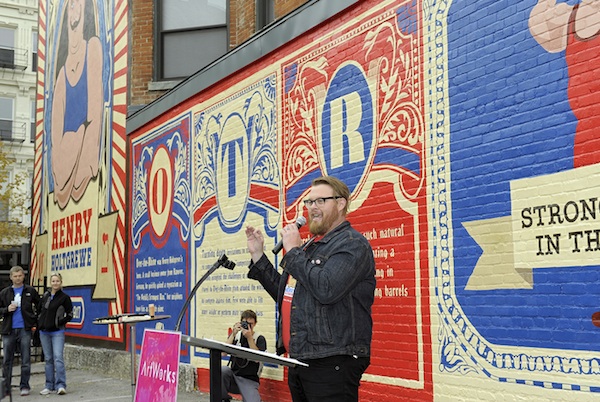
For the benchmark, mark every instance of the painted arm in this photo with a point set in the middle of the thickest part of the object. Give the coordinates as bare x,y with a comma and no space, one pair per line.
90,151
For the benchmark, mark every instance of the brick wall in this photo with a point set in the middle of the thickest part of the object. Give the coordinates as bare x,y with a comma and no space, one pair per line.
243,17
464,178
282,7
242,14
142,52
242,20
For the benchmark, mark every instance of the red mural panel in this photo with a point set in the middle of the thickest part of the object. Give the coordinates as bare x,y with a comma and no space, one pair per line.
352,106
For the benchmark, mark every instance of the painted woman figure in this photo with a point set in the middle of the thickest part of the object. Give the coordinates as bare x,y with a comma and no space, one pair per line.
575,29
57,310
77,106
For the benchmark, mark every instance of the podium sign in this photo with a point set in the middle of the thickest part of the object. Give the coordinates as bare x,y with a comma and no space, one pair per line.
158,374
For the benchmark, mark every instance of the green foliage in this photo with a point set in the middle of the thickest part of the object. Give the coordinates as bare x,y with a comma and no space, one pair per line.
14,202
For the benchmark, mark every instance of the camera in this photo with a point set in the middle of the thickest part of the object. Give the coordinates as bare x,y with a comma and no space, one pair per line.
244,324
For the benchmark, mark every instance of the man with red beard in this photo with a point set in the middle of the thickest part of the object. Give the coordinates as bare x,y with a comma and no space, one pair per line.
324,294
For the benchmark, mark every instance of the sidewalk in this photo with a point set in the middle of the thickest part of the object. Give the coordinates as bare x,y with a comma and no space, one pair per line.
85,386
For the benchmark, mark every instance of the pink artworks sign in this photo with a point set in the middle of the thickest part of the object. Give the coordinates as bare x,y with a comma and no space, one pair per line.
158,374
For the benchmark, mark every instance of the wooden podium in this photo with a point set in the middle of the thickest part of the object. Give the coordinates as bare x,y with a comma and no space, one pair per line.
215,348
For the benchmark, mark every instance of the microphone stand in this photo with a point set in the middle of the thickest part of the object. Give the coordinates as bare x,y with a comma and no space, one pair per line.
223,261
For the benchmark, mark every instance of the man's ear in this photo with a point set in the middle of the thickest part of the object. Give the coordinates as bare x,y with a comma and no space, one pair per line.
341,204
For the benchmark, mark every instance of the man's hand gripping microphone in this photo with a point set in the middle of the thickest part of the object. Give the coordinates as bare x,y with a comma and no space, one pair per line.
301,221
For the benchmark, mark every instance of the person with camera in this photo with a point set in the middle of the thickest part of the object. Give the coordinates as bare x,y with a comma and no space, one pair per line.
240,376
19,306
324,295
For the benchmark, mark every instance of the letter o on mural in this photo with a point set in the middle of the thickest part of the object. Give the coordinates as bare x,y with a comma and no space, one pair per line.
232,170
160,191
347,128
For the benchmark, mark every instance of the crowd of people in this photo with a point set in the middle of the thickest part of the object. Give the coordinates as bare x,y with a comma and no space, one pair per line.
23,311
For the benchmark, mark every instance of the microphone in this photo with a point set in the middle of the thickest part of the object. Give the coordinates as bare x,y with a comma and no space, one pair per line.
301,221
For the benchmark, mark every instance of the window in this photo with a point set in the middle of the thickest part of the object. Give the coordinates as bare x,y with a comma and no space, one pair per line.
7,48
6,118
191,35
32,132
34,50
265,13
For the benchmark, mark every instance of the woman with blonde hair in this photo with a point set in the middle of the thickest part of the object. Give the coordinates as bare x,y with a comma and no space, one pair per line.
57,310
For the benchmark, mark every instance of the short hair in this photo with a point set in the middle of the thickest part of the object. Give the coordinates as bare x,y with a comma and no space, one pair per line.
339,188
16,268
249,314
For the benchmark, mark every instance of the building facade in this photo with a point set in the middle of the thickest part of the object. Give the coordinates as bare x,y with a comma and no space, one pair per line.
466,132
18,72
226,24
101,60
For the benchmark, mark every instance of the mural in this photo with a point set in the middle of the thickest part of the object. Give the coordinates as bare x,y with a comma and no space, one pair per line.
466,133
76,105
78,224
160,220
361,119
255,145
515,209
236,181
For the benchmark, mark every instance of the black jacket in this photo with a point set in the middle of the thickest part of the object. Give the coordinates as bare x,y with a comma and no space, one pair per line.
243,367
49,320
30,306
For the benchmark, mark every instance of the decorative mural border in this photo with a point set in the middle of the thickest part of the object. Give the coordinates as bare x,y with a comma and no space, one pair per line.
118,157
461,348
39,136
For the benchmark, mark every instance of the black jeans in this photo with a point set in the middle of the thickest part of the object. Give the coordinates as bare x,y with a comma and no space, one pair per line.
331,379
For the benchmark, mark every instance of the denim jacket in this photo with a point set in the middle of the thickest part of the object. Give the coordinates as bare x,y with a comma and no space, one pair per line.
331,306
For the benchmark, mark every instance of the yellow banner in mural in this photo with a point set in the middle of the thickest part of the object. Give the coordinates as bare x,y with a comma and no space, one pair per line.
554,223
72,239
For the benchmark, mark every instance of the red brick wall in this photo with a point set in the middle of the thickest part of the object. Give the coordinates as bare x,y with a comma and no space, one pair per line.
242,19
282,7
142,53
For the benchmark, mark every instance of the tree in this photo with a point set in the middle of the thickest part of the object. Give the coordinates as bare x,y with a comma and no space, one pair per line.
14,202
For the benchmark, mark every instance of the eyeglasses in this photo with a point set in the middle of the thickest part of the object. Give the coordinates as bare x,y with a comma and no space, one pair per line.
320,201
